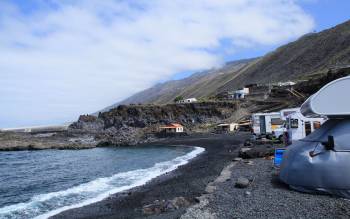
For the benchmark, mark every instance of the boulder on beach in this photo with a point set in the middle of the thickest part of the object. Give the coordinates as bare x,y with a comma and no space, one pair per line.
242,182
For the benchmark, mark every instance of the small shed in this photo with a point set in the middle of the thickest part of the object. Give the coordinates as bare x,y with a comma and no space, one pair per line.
227,127
172,128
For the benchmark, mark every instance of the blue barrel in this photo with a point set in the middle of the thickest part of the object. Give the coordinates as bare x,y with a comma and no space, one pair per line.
278,157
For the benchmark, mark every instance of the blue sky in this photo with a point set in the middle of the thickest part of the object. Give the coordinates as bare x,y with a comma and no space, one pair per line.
326,14
60,59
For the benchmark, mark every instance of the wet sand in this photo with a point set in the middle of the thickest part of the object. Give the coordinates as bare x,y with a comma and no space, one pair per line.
188,181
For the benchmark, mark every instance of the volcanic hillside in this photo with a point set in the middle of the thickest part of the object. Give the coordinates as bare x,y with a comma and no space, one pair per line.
311,54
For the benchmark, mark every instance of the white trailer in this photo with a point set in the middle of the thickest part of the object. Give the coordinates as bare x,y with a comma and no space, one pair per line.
266,123
299,126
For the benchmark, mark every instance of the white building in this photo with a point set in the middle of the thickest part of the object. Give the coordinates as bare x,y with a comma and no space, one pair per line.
188,100
240,94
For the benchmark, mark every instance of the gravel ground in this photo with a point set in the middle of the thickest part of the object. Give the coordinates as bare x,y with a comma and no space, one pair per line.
266,197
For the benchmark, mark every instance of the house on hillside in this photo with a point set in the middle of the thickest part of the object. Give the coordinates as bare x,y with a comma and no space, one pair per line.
233,95
241,93
189,100
285,84
172,128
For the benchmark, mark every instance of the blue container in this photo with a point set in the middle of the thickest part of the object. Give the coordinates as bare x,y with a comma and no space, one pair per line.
278,157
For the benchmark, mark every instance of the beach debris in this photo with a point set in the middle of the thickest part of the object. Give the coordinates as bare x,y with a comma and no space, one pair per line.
269,157
248,143
180,202
245,150
275,172
249,162
148,209
247,193
197,199
237,159
158,207
242,182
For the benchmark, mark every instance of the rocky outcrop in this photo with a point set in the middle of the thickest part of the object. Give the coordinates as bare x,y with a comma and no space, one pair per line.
129,125
189,115
10,141
88,123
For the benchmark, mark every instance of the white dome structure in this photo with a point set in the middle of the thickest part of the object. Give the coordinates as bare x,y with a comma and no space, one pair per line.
331,100
321,161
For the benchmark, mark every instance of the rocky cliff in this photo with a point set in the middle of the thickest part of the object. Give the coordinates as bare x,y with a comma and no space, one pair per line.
132,124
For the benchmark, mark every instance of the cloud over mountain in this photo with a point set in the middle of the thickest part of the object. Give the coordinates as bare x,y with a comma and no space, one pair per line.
59,59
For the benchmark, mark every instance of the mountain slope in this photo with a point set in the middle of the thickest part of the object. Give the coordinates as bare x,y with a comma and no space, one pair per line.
312,53
197,85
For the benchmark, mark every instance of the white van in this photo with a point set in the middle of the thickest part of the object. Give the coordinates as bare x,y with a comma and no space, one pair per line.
299,126
266,123
279,132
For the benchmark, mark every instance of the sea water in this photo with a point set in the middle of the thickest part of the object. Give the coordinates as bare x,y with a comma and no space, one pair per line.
39,184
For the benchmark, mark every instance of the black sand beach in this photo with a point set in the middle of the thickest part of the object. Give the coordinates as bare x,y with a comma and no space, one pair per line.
208,184
187,181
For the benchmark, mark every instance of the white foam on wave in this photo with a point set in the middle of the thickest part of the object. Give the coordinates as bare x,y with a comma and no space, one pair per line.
97,190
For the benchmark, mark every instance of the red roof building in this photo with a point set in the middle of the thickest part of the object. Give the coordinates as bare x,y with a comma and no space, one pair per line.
173,128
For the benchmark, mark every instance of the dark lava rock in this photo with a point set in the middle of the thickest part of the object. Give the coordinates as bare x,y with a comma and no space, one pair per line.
257,151
132,124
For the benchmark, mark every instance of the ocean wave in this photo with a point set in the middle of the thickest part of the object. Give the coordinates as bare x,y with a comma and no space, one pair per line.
46,205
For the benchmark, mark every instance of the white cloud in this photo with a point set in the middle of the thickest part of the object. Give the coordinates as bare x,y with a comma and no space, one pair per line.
63,59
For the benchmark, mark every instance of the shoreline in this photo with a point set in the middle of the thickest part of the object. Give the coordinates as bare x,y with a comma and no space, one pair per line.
188,181
167,167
